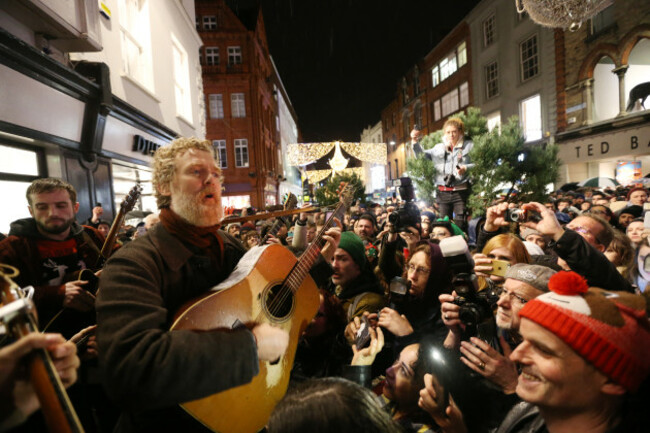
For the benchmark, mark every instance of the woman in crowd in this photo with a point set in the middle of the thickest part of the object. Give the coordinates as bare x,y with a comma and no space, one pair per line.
507,247
641,266
427,276
620,252
250,238
636,231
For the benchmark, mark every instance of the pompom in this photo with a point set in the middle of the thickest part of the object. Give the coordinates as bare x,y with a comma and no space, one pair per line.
568,283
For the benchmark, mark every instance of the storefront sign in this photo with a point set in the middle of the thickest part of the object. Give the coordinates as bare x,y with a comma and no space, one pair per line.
144,146
624,142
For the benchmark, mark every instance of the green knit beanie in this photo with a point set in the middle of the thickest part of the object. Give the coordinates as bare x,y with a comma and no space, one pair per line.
353,245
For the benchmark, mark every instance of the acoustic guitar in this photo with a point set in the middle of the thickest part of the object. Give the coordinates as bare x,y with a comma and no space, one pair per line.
269,285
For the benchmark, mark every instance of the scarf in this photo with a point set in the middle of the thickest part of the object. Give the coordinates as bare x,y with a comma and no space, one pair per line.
205,238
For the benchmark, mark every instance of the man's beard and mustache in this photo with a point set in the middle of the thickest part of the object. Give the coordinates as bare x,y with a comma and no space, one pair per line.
48,227
192,209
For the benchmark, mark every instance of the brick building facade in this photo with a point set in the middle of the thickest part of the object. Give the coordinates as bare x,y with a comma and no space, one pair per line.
598,66
437,86
238,81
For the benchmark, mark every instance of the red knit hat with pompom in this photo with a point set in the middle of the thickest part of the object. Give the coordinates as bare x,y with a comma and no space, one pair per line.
609,329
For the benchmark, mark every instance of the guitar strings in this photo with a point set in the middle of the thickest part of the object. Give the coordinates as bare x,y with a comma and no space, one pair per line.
312,254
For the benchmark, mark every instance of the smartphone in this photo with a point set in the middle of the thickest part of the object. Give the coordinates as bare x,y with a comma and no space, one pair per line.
646,220
499,267
363,334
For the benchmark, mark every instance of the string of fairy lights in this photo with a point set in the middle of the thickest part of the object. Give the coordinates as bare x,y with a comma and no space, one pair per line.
300,154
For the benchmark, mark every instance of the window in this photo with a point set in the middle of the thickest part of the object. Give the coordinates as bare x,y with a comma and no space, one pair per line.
492,80
210,22
602,20
216,106
489,30
494,120
136,41
390,171
437,110
212,56
237,105
605,90
241,152
450,102
462,54
181,80
464,94
396,169
18,168
435,76
531,118
234,55
220,150
529,58
417,113
448,66
405,90
416,81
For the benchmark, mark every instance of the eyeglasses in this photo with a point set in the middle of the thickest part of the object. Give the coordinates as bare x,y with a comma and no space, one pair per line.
511,295
584,231
418,269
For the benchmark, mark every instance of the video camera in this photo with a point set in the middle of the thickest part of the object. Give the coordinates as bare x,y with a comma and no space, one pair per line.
407,214
476,308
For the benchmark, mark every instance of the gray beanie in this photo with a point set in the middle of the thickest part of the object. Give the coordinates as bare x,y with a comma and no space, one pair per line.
528,231
535,275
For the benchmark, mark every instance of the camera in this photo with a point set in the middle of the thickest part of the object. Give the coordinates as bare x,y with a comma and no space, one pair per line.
476,308
406,215
516,215
449,180
398,293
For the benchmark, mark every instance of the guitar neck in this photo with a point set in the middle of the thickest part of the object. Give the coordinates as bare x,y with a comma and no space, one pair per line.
57,409
273,231
309,257
107,248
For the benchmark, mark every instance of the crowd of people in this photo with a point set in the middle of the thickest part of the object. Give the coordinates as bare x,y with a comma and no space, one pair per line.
536,322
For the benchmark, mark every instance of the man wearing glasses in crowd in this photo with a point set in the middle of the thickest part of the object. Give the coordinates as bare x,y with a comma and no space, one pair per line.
523,283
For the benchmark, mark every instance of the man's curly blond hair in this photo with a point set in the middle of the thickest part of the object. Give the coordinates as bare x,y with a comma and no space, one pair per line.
164,168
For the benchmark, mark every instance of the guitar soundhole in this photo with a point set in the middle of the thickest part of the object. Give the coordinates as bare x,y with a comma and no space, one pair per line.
278,301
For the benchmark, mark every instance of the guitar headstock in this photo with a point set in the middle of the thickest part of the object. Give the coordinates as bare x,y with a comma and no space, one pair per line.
131,198
290,201
346,193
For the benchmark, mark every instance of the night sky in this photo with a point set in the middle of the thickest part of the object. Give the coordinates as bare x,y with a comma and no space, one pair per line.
340,60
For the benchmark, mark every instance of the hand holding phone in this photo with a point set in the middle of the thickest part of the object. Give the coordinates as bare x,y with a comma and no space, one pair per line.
499,268
363,334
